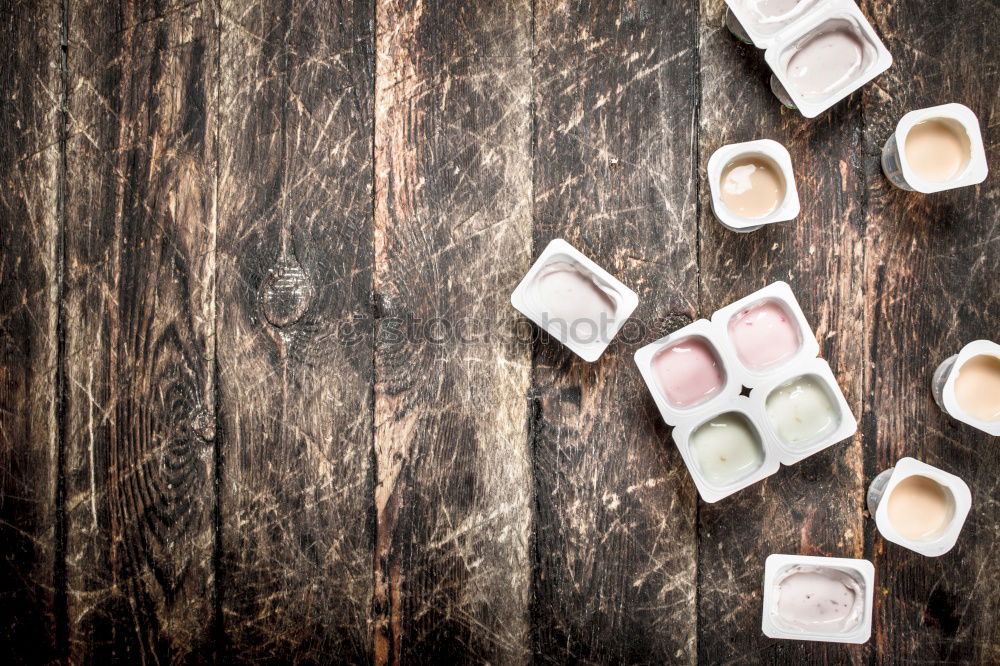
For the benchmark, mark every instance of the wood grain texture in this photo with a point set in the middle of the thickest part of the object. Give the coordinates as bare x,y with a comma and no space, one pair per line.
31,93
814,507
615,146
452,220
139,331
933,285
294,330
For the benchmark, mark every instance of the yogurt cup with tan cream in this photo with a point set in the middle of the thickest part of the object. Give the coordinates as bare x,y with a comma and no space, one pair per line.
752,185
935,149
919,506
967,386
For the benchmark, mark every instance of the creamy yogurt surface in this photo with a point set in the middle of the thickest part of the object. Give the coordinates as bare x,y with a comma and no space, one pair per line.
816,599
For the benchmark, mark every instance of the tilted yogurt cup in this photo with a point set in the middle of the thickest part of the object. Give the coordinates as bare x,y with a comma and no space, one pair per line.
750,25
528,302
709,490
943,384
819,371
771,151
780,294
703,331
860,571
839,15
959,118
957,490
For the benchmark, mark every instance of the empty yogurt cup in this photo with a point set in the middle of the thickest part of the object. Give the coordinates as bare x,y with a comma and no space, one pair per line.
760,22
919,506
936,149
574,300
805,410
766,331
725,449
752,185
686,372
967,386
825,57
826,599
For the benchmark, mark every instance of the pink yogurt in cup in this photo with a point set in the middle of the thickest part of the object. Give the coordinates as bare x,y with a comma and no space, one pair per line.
688,372
764,335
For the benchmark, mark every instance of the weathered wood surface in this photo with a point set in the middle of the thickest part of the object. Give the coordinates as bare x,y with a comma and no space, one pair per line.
615,149
453,494
932,284
238,424
138,325
295,368
31,95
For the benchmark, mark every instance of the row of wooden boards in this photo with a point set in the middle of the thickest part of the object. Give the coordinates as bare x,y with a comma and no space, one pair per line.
211,448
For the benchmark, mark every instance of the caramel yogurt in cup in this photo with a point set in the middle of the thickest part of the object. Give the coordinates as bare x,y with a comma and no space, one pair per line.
966,386
824,58
826,599
574,300
935,149
919,506
752,184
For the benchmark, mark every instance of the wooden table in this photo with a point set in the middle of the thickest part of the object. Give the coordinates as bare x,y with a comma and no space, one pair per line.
236,233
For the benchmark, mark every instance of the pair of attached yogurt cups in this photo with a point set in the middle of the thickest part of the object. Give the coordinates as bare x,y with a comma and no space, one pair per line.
730,441
784,35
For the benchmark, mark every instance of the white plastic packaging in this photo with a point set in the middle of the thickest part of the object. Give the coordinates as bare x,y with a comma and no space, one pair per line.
715,335
861,571
840,14
745,20
773,152
943,384
958,491
588,344
965,123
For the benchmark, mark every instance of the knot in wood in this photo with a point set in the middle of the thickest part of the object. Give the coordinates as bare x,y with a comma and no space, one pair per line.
286,293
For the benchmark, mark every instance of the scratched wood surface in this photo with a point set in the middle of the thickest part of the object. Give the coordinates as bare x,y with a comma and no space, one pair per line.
263,397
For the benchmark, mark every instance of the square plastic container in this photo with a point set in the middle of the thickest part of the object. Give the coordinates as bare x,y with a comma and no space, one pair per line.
838,15
959,118
817,391
943,384
588,342
956,489
754,24
702,333
773,152
861,572
689,435
704,345
735,325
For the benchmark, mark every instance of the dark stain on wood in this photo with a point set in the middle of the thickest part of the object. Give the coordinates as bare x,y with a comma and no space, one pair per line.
238,239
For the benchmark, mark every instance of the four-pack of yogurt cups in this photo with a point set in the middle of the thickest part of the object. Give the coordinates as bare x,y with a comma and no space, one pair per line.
728,440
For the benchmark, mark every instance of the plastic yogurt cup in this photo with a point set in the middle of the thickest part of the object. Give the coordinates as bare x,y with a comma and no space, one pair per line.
574,300
729,441
752,185
935,149
919,506
825,57
966,386
826,599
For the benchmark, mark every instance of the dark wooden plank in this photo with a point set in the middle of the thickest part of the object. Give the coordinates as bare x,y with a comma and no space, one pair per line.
615,147
933,284
30,122
452,223
139,318
814,507
295,255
